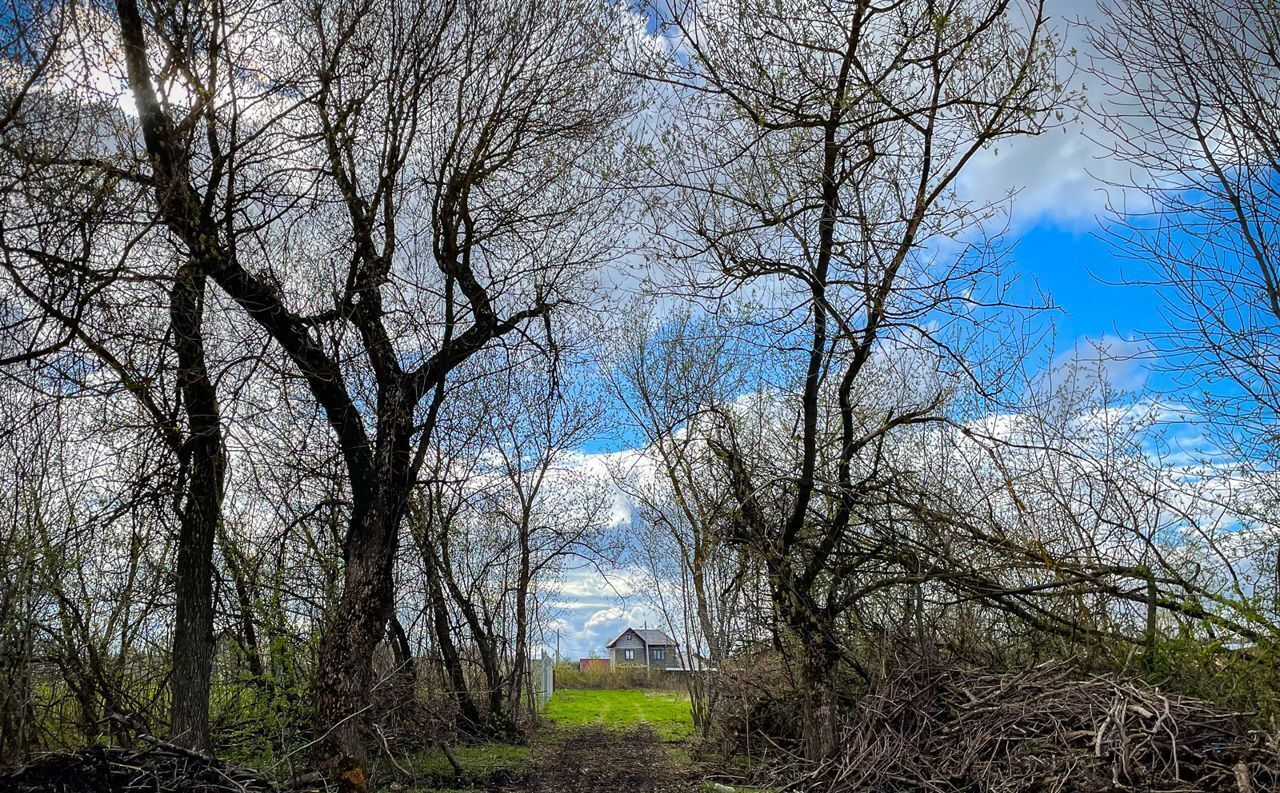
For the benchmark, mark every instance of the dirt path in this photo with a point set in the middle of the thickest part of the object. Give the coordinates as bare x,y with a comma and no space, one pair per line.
594,759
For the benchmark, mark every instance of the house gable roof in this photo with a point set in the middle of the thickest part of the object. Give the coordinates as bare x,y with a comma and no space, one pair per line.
651,638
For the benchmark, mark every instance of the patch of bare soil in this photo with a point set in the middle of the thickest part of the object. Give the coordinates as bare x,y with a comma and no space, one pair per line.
594,759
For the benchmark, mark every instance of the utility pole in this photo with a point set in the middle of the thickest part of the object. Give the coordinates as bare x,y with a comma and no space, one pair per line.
557,645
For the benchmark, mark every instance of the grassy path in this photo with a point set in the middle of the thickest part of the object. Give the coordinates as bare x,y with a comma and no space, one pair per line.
620,741
593,758
615,740
667,713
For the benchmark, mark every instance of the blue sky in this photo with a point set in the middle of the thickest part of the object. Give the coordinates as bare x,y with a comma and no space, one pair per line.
1071,260
1077,267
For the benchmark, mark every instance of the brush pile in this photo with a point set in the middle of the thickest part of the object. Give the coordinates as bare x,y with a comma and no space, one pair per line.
157,767
1043,729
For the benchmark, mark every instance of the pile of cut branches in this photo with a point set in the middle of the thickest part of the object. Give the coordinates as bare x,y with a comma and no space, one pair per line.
1040,729
157,766
102,769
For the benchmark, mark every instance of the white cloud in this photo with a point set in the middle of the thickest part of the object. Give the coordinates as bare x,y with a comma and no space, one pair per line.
592,607
605,617
1066,176
1055,175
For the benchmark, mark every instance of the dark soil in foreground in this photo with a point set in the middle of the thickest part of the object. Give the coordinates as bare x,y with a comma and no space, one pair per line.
594,759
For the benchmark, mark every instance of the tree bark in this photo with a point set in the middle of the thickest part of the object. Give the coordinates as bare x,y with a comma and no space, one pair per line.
520,663
820,707
205,466
344,678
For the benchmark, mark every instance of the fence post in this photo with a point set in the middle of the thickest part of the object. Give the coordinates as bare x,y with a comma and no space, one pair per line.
548,674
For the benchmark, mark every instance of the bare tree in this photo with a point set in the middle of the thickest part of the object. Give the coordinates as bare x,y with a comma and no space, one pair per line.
75,269
823,142
671,374
462,166
556,513
503,511
1192,105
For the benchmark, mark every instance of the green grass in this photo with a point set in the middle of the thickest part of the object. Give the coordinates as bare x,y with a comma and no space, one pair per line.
667,712
478,761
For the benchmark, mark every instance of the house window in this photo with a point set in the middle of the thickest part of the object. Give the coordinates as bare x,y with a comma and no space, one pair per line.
658,653
628,655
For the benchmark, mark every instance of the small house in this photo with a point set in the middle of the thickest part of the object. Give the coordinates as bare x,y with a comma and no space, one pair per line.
589,664
652,649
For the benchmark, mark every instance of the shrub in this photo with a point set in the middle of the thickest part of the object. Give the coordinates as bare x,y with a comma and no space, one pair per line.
570,676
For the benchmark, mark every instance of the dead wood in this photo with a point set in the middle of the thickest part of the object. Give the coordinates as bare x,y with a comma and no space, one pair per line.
156,765
1041,729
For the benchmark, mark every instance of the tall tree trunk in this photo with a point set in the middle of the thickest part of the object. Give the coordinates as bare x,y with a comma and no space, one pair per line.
244,602
205,465
344,676
807,640
449,656
404,674
403,650
499,719
520,663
